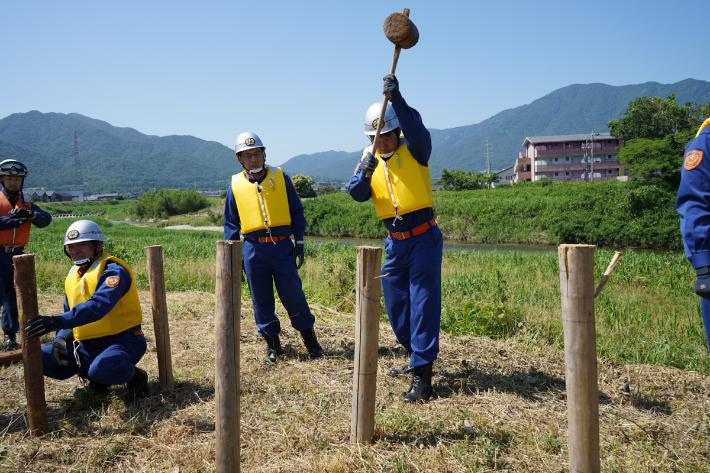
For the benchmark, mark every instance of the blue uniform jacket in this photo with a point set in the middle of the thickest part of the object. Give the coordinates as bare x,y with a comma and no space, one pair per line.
99,304
42,220
693,203
298,220
418,140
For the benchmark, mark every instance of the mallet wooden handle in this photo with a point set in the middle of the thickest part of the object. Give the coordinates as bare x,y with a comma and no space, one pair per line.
380,122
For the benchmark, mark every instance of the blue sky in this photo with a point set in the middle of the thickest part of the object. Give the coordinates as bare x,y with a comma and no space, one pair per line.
302,74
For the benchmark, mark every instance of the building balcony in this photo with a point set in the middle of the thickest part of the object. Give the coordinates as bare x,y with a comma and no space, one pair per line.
522,176
520,162
605,150
578,167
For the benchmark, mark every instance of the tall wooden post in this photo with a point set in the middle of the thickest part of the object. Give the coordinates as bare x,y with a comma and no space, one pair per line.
26,287
159,305
228,291
367,327
577,290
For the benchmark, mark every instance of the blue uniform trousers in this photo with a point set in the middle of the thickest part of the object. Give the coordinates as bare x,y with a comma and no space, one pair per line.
705,310
411,282
8,299
106,360
267,264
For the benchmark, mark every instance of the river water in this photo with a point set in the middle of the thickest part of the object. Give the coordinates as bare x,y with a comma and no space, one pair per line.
449,245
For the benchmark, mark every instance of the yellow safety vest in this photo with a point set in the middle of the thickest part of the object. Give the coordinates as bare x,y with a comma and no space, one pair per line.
400,185
263,205
124,315
705,123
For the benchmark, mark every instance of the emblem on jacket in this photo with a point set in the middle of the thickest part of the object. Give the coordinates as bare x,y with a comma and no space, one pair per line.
693,159
112,281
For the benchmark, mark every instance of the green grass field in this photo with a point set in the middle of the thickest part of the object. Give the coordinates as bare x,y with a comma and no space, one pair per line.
648,312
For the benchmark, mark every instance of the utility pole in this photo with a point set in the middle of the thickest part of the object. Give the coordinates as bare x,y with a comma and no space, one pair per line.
77,164
487,152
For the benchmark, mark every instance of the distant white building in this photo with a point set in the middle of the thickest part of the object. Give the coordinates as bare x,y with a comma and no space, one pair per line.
505,176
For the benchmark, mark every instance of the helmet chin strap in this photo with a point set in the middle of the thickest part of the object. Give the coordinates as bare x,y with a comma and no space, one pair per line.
256,171
85,262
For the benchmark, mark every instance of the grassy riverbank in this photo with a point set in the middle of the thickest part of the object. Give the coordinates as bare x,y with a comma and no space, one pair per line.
605,213
648,312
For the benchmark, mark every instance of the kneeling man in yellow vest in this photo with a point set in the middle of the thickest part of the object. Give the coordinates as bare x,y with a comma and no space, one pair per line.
99,335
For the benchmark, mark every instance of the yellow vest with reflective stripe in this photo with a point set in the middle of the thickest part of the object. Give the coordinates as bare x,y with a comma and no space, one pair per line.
409,184
124,315
262,205
705,123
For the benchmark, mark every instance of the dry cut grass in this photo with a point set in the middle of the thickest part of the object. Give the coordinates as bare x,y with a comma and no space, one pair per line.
501,406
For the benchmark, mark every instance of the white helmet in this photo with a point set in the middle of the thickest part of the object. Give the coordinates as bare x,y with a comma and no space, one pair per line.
12,167
247,140
372,117
83,230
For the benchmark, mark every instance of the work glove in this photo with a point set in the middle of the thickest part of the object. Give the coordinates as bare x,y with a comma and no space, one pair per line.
369,163
391,86
298,254
21,214
42,325
702,282
60,352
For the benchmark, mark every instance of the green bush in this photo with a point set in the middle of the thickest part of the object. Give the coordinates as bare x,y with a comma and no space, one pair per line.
619,214
165,202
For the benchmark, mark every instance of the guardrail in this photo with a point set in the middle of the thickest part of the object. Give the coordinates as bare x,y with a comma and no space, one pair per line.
75,215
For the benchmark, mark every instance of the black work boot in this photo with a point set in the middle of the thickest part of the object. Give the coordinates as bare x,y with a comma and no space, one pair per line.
97,389
420,390
10,342
396,372
273,348
311,342
137,386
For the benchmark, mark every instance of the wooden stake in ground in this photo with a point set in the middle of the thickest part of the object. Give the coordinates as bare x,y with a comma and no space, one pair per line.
228,291
577,290
26,287
367,328
10,357
607,273
159,305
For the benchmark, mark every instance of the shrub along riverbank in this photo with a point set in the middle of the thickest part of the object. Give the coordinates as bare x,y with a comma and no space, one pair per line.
632,214
648,312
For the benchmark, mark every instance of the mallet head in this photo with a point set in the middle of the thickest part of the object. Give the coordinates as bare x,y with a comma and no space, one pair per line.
401,30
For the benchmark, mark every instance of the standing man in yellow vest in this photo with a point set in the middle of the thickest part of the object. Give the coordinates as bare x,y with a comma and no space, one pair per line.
99,335
263,206
17,216
396,177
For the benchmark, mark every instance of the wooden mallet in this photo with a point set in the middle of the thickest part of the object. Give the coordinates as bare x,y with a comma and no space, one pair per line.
404,34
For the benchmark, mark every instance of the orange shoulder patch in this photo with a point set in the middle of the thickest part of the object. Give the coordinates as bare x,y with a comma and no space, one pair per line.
112,281
693,158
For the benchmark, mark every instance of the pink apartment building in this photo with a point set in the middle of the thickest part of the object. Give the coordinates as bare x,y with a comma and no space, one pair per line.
590,156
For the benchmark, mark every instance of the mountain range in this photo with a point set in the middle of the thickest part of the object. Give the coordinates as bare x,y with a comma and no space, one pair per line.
578,108
123,159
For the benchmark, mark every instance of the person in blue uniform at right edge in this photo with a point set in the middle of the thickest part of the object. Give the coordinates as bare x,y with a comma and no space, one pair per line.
396,177
693,206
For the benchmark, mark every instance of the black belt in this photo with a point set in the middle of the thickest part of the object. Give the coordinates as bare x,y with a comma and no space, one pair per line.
10,249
